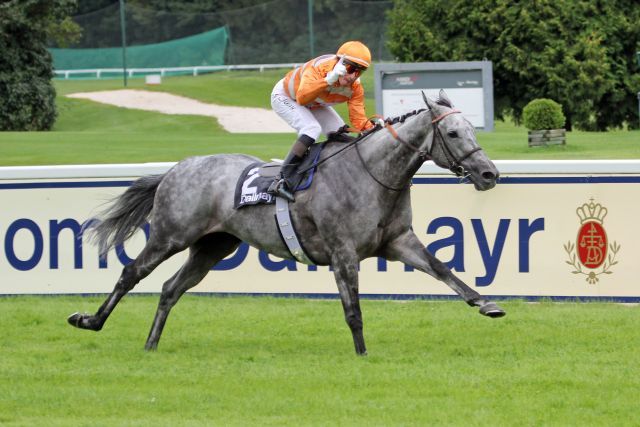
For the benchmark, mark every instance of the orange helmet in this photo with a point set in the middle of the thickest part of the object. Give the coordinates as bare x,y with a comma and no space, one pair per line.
357,52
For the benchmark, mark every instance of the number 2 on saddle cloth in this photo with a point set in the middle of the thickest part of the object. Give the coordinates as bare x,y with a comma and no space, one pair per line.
254,181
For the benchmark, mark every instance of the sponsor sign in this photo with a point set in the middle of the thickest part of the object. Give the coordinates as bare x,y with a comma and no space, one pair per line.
469,85
536,234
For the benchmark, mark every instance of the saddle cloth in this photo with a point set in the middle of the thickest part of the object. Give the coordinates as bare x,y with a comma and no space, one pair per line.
254,181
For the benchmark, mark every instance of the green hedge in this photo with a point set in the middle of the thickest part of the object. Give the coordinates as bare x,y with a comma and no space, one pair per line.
27,96
543,113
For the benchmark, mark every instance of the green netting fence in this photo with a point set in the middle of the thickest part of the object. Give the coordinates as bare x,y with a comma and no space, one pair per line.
273,32
207,48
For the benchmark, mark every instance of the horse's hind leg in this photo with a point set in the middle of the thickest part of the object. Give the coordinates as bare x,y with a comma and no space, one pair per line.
346,273
408,249
151,256
203,255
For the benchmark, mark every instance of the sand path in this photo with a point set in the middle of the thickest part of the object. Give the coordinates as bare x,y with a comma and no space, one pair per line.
232,119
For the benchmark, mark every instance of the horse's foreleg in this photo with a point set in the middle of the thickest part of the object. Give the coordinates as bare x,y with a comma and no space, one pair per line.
150,257
346,274
203,255
408,249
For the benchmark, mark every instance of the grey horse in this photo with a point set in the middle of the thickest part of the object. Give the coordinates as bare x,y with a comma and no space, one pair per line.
357,207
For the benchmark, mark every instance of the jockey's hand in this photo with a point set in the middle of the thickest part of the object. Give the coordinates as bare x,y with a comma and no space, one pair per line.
338,71
343,129
377,121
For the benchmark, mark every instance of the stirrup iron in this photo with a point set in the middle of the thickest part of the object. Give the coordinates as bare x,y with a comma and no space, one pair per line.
279,188
283,191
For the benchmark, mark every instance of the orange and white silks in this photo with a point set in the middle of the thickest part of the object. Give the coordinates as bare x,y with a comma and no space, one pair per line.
308,87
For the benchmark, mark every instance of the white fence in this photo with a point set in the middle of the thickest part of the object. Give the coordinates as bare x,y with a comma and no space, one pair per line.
506,167
196,70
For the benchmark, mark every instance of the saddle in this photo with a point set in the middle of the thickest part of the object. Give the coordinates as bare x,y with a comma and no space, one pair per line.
256,178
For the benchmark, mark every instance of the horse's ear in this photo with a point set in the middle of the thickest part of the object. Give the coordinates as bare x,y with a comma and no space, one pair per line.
444,98
430,104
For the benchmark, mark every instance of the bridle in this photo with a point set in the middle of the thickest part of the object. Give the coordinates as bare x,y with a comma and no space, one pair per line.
455,164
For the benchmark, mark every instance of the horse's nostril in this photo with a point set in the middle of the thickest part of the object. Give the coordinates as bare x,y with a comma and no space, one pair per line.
489,176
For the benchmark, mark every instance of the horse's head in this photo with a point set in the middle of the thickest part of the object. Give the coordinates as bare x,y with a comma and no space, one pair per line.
454,145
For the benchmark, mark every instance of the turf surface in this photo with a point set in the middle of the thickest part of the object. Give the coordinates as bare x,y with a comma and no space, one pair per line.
265,361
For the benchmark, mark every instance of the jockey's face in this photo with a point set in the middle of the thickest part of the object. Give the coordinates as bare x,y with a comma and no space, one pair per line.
353,72
348,79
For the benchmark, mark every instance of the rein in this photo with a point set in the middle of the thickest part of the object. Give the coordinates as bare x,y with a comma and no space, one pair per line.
388,122
359,138
376,179
455,164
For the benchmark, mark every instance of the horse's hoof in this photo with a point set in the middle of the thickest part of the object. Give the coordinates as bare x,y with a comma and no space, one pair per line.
491,309
75,319
80,321
151,347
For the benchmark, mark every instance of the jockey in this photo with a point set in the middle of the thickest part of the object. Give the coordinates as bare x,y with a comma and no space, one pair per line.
304,99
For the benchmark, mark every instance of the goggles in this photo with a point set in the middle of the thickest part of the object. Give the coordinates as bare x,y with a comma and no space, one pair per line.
354,67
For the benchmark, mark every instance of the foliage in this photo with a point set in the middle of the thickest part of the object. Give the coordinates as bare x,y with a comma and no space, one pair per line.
580,53
543,113
27,96
65,32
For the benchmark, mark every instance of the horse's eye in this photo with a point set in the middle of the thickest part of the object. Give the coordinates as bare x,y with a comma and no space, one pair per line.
452,134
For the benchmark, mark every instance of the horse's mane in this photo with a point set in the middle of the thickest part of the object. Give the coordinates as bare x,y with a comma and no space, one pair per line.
402,118
445,102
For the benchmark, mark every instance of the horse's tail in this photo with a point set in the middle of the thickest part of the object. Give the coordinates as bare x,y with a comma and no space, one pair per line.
127,213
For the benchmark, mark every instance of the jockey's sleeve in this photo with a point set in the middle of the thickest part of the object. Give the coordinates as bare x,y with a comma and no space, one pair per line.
312,84
357,114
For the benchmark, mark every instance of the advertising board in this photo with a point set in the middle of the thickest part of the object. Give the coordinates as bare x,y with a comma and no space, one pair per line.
549,229
469,85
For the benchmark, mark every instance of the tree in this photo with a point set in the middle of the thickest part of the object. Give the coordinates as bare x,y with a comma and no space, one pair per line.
27,95
578,53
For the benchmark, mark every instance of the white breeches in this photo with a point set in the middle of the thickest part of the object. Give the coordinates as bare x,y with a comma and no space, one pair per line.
306,121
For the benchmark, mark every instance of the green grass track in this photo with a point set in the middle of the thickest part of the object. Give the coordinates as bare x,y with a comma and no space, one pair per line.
265,361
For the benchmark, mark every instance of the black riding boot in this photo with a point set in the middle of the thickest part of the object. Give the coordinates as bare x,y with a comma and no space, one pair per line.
282,186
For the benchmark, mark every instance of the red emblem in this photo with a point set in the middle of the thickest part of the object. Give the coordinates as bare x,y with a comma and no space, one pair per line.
592,249
592,244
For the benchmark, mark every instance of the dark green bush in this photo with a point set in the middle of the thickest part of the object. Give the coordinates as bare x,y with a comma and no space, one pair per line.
543,113
27,96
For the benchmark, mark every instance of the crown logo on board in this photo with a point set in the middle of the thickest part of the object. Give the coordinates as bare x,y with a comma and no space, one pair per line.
591,212
592,254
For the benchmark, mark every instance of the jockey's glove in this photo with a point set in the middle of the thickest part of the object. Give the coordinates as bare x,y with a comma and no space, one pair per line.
377,121
338,71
